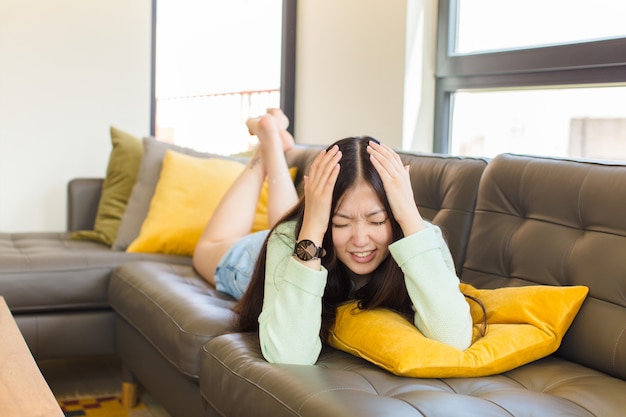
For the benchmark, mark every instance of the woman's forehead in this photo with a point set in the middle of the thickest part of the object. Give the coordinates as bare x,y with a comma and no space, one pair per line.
360,199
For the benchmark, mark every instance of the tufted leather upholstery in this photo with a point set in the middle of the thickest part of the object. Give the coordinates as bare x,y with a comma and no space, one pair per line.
46,272
56,287
174,309
237,381
558,222
537,221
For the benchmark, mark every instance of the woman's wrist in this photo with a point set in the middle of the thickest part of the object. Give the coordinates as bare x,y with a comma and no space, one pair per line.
311,232
415,225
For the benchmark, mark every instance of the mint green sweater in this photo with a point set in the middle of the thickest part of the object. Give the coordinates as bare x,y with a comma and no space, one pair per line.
290,321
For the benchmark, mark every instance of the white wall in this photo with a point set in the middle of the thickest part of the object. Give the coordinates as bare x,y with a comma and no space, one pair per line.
68,70
366,67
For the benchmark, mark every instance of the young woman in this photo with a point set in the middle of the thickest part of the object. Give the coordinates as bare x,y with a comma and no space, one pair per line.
356,234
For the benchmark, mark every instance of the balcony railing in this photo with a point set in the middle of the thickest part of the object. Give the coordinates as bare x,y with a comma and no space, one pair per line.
212,122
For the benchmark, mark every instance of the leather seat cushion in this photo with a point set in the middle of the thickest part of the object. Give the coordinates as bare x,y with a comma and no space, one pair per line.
173,308
42,272
343,385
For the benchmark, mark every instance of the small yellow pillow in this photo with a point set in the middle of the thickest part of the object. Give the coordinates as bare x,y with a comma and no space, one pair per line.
523,324
187,194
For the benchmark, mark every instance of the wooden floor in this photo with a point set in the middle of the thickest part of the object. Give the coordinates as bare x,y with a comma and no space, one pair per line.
92,377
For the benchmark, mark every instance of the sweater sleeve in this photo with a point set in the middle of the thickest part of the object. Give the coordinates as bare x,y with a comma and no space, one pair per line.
441,312
290,322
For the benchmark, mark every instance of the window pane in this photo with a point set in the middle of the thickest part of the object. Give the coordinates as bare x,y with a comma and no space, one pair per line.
218,62
575,122
488,25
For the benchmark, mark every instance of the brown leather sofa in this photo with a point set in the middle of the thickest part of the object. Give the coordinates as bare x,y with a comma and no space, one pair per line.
57,287
513,221
537,221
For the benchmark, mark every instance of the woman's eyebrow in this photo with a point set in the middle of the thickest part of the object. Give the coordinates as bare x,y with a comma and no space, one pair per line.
370,214
375,212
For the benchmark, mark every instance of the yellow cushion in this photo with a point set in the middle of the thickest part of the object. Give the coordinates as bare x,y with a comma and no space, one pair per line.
524,324
187,193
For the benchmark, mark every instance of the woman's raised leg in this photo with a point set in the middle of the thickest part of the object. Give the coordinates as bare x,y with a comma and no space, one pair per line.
234,216
282,195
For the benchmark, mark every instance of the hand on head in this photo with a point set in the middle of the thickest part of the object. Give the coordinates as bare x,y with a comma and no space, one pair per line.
398,188
318,192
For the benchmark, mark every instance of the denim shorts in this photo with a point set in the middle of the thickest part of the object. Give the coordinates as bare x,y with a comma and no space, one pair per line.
234,271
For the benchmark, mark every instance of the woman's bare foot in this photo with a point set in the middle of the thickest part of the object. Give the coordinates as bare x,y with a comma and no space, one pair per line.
281,118
264,124
266,129
253,125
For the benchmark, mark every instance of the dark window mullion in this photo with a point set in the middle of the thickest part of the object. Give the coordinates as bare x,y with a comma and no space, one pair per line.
288,62
597,54
582,77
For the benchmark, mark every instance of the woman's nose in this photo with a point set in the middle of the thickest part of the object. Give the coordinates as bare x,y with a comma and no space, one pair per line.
359,235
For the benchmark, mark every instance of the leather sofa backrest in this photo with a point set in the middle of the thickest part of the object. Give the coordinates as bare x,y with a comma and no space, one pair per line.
444,188
558,222
83,198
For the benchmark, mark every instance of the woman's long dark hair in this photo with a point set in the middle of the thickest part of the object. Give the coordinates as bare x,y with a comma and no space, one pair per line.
386,287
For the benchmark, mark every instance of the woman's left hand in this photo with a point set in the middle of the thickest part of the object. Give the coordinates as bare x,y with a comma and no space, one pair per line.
397,183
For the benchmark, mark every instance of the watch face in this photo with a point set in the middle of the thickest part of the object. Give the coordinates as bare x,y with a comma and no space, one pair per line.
306,250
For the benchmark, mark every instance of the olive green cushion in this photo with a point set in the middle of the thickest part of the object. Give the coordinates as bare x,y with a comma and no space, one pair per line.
120,178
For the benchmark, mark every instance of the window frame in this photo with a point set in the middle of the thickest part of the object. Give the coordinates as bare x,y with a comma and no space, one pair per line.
288,64
592,63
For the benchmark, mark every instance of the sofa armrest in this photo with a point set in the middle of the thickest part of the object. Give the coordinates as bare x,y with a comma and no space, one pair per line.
83,197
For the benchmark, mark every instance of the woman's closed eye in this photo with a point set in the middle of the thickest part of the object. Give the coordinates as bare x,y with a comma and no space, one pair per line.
372,222
378,223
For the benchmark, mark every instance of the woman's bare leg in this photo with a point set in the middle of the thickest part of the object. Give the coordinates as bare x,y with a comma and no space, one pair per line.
283,124
282,194
234,216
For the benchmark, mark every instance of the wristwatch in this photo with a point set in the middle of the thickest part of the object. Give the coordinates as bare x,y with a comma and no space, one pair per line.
306,250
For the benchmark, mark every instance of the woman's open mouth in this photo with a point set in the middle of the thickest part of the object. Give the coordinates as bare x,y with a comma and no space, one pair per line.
363,256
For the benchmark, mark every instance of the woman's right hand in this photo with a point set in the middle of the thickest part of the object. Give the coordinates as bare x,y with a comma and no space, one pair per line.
318,194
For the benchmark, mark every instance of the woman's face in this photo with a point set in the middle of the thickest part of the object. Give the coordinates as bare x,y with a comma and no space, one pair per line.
361,230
